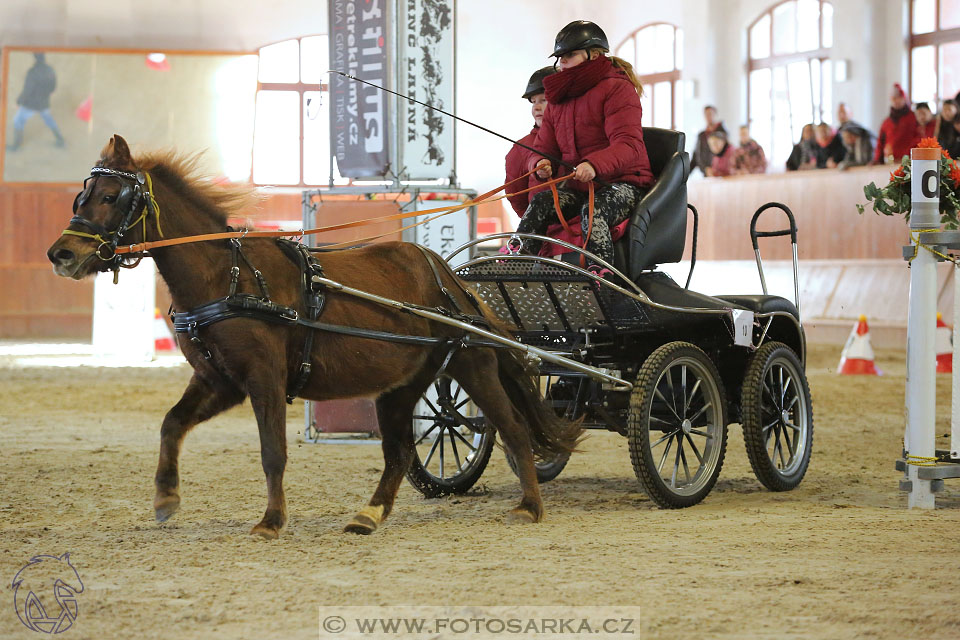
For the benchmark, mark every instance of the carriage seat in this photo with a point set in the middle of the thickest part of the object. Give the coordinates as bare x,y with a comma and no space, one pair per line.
762,304
658,226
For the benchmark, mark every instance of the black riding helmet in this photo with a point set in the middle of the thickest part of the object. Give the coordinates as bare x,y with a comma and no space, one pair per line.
535,85
579,34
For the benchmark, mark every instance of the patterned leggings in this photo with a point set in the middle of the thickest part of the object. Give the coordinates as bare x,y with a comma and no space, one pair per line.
612,205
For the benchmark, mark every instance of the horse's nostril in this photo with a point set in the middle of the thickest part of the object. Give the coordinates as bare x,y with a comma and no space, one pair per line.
62,256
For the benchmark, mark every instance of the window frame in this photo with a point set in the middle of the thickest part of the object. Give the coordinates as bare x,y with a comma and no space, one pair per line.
936,39
300,88
648,80
772,61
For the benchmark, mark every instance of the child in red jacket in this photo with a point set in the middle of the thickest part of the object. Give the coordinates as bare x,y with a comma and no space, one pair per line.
592,122
518,156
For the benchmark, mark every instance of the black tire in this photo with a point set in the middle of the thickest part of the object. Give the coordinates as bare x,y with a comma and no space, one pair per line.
562,396
777,417
453,421
697,425
547,470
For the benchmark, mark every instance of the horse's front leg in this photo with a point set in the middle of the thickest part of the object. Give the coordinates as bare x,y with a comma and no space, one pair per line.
270,409
200,402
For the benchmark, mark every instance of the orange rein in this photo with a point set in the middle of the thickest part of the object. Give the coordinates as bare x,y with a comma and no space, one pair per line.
441,211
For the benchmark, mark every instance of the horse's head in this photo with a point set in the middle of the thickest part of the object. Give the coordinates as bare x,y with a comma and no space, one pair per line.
104,214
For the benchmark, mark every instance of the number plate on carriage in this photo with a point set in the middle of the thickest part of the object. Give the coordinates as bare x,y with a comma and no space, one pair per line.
742,327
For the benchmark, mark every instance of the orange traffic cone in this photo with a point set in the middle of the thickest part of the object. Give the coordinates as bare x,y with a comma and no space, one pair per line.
857,355
944,343
162,337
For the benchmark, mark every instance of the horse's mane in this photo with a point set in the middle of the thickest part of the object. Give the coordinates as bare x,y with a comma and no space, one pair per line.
181,172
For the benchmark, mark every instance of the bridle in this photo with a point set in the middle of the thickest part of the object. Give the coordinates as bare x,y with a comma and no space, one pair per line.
132,195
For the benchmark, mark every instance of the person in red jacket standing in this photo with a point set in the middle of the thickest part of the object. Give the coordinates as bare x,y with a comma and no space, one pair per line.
592,123
518,157
898,133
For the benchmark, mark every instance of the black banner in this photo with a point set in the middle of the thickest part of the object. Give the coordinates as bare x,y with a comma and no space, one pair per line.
359,127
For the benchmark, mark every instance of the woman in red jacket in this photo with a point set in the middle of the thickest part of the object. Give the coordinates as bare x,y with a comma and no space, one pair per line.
592,122
518,157
898,133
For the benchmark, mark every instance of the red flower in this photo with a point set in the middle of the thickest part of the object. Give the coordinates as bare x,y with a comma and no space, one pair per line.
899,173
928,143
946,155
955,173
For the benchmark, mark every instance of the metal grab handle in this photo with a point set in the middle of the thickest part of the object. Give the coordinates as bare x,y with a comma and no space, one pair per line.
792,232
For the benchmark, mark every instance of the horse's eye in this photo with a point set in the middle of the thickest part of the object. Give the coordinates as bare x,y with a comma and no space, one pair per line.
109,198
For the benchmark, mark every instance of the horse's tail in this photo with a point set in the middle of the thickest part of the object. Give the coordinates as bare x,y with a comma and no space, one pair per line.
551,435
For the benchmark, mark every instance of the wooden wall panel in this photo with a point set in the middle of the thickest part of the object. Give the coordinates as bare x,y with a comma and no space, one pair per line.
824,203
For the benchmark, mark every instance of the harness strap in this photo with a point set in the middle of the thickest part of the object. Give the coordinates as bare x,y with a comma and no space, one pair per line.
583,259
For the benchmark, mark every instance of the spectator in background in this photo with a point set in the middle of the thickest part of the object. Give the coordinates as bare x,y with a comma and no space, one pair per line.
845,118
40,82
828,150
898,133
722,153
926,125
859,148
952,138
749,158
944,132
702,157
802,155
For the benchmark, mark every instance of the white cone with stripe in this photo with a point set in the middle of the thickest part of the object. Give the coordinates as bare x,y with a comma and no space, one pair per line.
857,356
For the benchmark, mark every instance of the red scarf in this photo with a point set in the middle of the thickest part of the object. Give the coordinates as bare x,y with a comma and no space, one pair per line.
576,81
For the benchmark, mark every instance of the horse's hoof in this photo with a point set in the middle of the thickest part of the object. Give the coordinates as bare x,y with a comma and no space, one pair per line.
265,531
166,507
521,516
361,525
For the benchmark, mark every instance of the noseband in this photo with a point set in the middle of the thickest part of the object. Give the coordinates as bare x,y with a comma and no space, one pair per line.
132,194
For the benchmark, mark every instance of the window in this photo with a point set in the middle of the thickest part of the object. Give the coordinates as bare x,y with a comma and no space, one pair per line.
789,73
291,140
934,50
656,53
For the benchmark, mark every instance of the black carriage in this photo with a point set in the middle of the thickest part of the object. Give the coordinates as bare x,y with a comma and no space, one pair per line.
665,366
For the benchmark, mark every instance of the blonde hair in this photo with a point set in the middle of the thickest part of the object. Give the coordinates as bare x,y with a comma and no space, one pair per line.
623,65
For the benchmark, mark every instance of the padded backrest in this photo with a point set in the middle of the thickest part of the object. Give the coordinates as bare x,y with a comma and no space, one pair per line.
658,227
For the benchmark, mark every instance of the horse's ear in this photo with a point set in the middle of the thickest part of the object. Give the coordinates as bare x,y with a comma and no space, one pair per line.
117,151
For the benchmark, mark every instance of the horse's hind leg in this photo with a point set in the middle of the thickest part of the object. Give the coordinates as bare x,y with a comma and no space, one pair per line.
199,402
395,414
477,372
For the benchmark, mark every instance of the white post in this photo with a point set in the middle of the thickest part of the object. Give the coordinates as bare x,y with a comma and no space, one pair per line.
955,395
921,326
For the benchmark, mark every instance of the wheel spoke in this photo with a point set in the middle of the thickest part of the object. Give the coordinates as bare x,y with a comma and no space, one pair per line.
792,426
462,402
783,463
441,439
464,440
700,412
436,411
669,435
426,433
683,456
676,466
663,458
693,392
658,394
702,434
426,463
795,400
786,438
456,394
696,451
456,454
668,374
666,422
782,390
767,427
683,388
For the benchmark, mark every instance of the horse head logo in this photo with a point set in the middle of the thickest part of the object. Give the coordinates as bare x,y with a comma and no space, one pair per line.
45,593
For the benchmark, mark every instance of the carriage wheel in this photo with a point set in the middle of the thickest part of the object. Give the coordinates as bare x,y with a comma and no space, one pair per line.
561,395
777,417
453,443
677,427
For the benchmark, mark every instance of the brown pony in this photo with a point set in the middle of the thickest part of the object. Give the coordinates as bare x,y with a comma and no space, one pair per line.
254,358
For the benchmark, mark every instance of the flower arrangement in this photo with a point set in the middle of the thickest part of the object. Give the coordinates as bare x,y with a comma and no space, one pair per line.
894,198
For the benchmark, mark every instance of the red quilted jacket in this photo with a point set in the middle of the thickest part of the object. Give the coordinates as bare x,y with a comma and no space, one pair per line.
517,160
901,134
593,114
